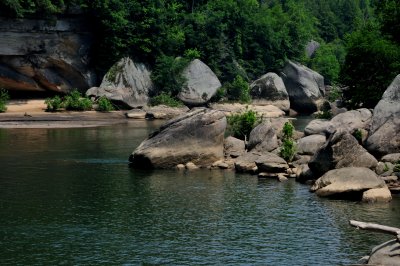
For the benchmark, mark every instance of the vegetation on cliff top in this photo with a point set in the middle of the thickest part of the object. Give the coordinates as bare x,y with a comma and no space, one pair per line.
359,38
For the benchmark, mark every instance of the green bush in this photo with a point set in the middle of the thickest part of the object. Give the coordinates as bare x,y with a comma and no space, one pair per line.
240,125
75,102
104,105
4,97
326,114
396,167
288,149
165,99
334,94
53,104
358,135
238,90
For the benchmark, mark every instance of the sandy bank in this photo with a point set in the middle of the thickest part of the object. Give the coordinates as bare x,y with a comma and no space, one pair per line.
31,114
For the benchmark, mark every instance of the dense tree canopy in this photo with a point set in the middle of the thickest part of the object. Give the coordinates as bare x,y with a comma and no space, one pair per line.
245,38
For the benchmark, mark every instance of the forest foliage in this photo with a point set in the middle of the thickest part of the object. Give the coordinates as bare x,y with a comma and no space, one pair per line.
244,38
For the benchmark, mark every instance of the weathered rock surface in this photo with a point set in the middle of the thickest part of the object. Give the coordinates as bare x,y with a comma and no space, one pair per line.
352,120
247,162
37,56
318,126
311,47
347,180
304,86
197,137
377,195
384,137
263,137
270,90
341,150
271,163
391,158
309,145
233,147
126,82
267,111
386,254
164,112
201,85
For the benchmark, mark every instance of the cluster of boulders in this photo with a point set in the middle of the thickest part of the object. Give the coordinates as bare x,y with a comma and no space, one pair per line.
341,157
129,84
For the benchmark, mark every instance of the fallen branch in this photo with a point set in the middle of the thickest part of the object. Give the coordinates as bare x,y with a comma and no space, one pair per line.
377,228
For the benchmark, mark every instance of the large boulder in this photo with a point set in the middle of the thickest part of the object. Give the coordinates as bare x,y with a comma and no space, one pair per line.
386,254
352,120
304,86
309,145
247,162
270,89
263,137
384,137
271,163
233,147
197,137
201,84
347,180
319,126
38,56
341,150
377,195
126,83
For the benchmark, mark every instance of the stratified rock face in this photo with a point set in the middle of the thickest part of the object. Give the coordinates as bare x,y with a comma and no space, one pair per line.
341,150
347,180
304,86
270,89
201,85
384,137
126,82
37,56
197,137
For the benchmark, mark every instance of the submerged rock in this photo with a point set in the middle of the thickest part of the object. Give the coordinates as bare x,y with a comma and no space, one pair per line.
197,137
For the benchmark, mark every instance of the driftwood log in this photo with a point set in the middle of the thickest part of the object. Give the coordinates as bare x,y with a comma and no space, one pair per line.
377,228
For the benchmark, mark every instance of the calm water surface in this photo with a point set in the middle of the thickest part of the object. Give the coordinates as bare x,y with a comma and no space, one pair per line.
67,196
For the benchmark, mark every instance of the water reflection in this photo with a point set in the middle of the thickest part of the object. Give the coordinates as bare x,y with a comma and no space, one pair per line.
68,197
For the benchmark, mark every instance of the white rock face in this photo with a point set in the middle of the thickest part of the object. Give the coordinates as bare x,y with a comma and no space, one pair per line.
126,82
201,84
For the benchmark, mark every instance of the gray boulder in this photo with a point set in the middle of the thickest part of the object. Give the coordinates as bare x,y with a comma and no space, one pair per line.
387,253
391,158
37,56
341,150
233,147
304,86
319,126
347,180
384,137
377,195
197,137
126,82
247,162
309,145
352,120
164,112
270,89
271,163
263,137
201,85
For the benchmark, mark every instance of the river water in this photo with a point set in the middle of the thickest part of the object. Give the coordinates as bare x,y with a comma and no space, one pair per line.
68,197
